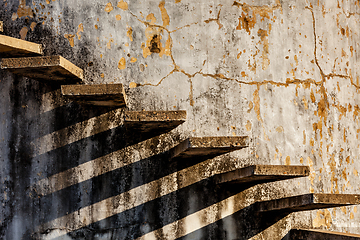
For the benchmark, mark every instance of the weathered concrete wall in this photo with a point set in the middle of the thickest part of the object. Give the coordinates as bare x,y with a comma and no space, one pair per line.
283,73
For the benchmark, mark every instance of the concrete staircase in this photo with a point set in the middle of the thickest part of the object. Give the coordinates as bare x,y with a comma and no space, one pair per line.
24,58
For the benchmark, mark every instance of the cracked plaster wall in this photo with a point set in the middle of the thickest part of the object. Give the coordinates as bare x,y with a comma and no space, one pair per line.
283,73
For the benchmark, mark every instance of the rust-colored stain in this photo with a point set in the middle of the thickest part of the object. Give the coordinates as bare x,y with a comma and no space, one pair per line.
312,174
177,1
287,160
263,34
132,60
109,7
323,218
154,34
23,10
80,30
129,33
123,5
246,22
23,32
256,101
132,85
334,179
312,96
280,129
14,16
248,126
122,63
344,174
70,37
191,93
108,45
118,17
164,14
32,26
249,14
251,106
304,100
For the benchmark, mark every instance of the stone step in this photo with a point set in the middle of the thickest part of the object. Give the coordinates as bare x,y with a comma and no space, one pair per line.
207,147
256,174
153,121
308,202
13,47
109,95
49,68
1,26
317,234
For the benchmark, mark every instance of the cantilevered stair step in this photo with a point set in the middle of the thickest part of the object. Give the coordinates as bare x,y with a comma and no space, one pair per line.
109,95
261,173
13,47
308,202
317,234
1,26
49,68
156,122
207,147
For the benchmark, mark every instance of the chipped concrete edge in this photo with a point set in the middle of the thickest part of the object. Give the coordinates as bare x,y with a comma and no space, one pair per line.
96,89
285,170
219,142
352,199
149,116
31,62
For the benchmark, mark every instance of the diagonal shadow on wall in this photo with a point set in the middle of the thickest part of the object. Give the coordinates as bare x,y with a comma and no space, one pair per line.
157,213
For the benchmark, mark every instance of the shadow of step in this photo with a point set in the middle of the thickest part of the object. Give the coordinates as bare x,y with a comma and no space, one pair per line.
13,47
315,234
257,174
47,69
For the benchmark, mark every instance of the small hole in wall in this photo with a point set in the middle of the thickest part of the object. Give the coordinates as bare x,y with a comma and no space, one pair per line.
155,44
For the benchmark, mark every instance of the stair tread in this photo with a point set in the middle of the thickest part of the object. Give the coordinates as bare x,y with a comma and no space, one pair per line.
111,95
1,26
47,68
14,47
208,147
150,121
261,174
308,202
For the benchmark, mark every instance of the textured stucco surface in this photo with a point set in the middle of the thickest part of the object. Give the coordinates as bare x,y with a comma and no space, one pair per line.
283,73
